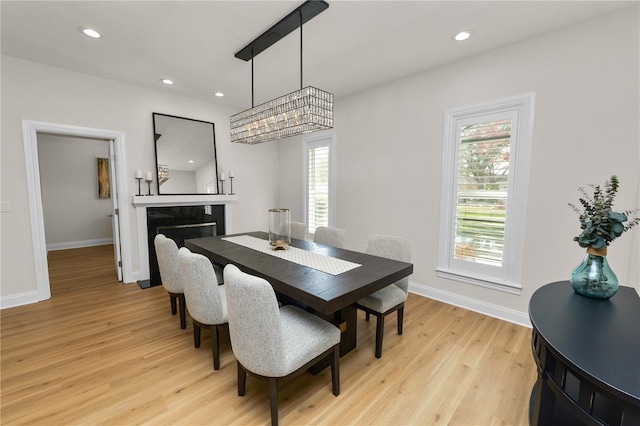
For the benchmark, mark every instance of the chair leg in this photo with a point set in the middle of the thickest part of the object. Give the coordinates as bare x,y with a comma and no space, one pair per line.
215,341
379,334
400,319
335,370
273,400
196,335
183,311
173,300
242,380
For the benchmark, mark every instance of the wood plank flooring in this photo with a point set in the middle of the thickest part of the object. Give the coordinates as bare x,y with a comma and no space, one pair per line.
101,352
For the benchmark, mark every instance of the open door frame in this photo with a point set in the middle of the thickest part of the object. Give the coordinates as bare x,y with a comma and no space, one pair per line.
36,217
115,216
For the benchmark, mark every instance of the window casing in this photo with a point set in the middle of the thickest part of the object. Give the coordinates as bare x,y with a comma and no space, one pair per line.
485,176
319,182
211,189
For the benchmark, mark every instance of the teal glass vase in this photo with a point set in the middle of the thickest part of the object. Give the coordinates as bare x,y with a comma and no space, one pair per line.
594,277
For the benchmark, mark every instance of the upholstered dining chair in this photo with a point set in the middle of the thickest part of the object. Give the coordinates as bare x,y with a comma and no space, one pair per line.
167,254
206,300
392,297
273,343
298,230
329,236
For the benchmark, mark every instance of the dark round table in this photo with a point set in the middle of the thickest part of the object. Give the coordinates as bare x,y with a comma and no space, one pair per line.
588,356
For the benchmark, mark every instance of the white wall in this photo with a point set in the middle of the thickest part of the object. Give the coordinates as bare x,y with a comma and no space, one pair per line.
32,91
68,177
179,182
586,128
206,177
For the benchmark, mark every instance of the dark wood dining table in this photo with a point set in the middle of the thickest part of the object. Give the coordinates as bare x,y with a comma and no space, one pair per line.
332,297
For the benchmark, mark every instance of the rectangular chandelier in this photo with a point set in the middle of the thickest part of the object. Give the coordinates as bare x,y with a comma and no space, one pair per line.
303,111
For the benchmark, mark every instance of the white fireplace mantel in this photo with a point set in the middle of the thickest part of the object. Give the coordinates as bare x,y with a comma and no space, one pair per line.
181,200
141,202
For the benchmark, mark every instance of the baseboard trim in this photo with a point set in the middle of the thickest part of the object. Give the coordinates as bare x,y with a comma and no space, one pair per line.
495,311
20,299
79,244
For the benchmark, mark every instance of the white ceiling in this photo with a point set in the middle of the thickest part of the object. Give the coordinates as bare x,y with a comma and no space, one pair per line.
352,46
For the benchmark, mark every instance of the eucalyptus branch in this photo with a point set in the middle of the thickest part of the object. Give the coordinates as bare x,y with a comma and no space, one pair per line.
599,223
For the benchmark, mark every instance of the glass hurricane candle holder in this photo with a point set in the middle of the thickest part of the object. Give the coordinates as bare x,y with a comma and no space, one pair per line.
280,228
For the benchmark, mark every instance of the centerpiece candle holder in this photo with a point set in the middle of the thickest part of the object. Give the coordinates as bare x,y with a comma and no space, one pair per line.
280,228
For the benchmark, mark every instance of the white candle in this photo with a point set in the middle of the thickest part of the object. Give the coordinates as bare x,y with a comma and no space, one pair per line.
221,176
230,173
138,174
149,178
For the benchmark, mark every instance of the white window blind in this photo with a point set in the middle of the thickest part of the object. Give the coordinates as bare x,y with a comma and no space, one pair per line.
481,198
319,183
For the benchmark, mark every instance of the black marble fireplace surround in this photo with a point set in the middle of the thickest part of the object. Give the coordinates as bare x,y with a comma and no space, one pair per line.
202,221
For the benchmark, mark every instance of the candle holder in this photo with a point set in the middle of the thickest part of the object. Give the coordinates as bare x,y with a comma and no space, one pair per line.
222,187
149,186
231,185
280,228
139,190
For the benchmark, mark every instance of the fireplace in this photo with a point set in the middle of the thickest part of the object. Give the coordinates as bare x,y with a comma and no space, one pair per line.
180,223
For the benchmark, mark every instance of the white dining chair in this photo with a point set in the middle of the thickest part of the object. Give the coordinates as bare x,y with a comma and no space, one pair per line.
392,297
298,230
206,300
167,254
274,343
329,236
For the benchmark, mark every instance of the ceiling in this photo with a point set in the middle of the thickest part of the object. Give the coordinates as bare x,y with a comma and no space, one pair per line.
352,46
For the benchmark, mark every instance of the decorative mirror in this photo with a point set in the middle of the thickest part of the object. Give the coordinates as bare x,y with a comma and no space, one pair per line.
186,160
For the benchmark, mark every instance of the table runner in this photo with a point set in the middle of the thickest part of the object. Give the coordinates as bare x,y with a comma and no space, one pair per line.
318,261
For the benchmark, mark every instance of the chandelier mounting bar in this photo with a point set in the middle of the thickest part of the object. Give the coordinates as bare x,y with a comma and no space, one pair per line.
303,14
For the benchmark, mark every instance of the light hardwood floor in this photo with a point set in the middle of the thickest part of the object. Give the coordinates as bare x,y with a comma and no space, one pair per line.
101,352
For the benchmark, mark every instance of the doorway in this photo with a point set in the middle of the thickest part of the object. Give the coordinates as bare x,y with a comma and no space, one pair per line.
116,156
69,170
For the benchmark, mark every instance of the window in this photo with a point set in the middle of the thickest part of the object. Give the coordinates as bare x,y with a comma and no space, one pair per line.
485,180
319,182
211,189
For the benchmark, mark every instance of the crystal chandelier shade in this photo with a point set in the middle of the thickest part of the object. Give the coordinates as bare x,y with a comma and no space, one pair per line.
303,111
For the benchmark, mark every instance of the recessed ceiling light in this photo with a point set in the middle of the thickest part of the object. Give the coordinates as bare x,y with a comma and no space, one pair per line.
166,81
462,35
219,94
89,32
191,161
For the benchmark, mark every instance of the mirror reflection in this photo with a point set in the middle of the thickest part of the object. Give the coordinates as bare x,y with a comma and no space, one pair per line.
185,155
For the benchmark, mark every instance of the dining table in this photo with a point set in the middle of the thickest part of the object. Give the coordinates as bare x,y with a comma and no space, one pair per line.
325,280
